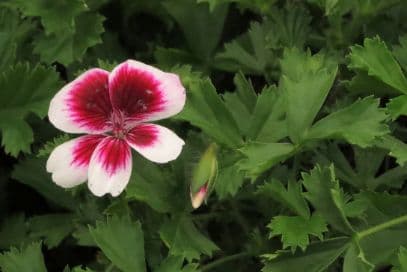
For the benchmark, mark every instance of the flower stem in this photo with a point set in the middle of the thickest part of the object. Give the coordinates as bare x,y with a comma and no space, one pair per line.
380,227
223,260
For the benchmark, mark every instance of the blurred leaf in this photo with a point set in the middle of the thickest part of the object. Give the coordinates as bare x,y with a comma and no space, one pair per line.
291,197
52,227
183,239
171,264
42,183
13,32
359,123
306,81
56,16
248,52
69,46
400,52
377,60
174,264
25,90
294,230
262,156
29,259
290,27
362,84
202,28
13,231
327,197
316,258
122,241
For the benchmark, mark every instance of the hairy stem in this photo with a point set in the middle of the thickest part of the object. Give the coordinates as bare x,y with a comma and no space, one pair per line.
223,260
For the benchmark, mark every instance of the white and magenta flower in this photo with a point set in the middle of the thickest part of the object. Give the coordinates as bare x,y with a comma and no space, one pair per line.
114,110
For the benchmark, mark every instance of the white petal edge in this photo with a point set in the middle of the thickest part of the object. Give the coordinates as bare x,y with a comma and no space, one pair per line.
58,112
100,182
65,174
170,86
166,147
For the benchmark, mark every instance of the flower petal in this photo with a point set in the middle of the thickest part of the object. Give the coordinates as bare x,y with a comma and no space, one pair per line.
144,93
154,142
69,161
110,167
83,106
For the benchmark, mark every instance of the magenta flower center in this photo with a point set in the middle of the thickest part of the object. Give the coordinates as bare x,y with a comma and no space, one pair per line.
119,128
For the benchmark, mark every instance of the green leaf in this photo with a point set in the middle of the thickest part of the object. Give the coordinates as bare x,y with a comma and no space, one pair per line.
248,52
291,197
397,106
122,241
69,46
362,85
327,197
42,183
55,16
400,52
359,123
49,146
229,179
150,184
29,259
13,32
316,258
262,156
202,28
13,231
206,110
183,239
171,264
174,264
354,260
402,260
290,27
241,102
24,90
377,60
268,121
294,230
381,247
53,228
306,81
397,148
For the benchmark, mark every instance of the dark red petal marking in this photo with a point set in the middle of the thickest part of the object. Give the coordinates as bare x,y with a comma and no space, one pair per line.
143,135
88,101
135,92
113,154
83,149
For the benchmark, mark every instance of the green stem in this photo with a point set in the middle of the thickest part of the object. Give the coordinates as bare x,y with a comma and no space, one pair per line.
380,227
223,260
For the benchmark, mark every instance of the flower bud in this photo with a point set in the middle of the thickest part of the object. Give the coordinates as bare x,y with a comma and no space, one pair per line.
204,176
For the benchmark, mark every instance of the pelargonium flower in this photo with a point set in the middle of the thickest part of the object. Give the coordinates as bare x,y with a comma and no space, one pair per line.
114,109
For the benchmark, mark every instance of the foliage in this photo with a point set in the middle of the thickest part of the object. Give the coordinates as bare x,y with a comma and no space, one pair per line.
305,102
